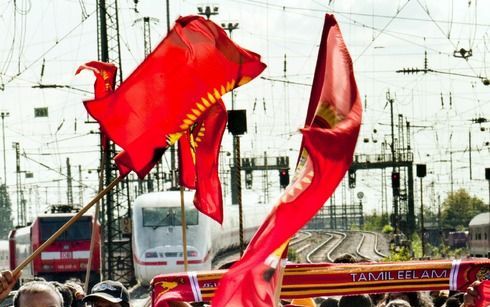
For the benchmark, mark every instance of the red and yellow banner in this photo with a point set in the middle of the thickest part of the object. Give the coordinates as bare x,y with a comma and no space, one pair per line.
328,279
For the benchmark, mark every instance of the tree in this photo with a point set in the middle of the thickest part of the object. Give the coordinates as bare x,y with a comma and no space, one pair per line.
5,212
459,208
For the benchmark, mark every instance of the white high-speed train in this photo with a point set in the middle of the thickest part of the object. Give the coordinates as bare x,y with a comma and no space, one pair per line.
157,233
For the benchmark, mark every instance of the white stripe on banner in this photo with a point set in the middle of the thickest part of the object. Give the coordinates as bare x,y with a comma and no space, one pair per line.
81,254
50,255
195,286
453,277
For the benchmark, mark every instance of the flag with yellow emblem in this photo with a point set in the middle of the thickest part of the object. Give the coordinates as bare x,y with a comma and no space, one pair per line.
176,85
329,138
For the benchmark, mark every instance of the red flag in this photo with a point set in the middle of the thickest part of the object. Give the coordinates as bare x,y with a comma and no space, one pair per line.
105,77
178,82
329,139
483,299
198,160
105,81
187,160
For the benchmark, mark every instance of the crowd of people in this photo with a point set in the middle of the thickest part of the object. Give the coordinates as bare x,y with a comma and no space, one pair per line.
42,293
108,293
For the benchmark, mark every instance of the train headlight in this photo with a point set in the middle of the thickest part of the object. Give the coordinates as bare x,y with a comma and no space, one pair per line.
151,255
191,253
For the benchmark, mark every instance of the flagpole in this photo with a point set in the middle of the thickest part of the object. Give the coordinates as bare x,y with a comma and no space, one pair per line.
184,227
94,229
70,222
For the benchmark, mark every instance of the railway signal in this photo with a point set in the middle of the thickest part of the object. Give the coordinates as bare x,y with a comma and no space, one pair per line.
248,179
284,177
395,183
352,179
487,177
421,173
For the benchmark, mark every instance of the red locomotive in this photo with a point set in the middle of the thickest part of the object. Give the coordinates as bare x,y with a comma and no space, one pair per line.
66,258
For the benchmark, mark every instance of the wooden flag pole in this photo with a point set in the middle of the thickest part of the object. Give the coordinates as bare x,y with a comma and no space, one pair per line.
92,247
65,226
94,229
184,227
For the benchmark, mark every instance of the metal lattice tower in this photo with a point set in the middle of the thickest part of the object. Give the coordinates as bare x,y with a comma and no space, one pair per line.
117,260
69,190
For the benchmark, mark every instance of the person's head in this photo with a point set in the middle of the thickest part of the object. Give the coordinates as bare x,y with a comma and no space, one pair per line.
108,293
77,293
345,258
415,299
398,303
376,297
330,302
65,292
452,302
355,301
38,294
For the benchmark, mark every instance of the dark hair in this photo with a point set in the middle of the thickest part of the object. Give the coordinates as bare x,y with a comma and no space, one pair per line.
417,299
355,301
330,302
345,258
439,301
37,286
65,292
452,302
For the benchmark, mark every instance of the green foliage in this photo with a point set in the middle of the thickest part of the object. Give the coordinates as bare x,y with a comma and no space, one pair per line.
445,252
416,246
400,254
388,229
459,208
375,222
354,227
5,213
292,255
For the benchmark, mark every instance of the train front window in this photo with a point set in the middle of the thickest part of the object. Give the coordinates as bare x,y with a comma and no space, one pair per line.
80,230
164,217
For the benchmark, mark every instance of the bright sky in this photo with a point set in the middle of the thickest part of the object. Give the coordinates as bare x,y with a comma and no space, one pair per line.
45,41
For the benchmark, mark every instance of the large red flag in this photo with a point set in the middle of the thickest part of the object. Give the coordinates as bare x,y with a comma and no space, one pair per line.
169,95
178,82
329,139
198,160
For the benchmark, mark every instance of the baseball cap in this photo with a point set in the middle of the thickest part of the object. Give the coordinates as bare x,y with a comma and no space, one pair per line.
109,290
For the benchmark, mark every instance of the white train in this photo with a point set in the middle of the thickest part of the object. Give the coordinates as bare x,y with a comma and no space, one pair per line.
479,235
157,233
4,255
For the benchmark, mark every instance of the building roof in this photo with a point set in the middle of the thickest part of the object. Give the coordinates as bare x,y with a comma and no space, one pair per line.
480,219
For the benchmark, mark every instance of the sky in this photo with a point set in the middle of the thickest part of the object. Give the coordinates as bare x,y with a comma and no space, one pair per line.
44,42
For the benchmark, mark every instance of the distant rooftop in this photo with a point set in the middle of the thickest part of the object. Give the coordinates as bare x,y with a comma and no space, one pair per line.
480,219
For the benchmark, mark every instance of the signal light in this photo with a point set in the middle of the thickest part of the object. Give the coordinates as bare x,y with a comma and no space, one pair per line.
352,179
284,178
248,179
395,183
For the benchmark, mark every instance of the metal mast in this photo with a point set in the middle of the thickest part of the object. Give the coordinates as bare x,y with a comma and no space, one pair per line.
117,260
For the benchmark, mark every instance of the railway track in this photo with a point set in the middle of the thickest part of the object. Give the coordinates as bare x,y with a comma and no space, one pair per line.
323,251
363,245
367,249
